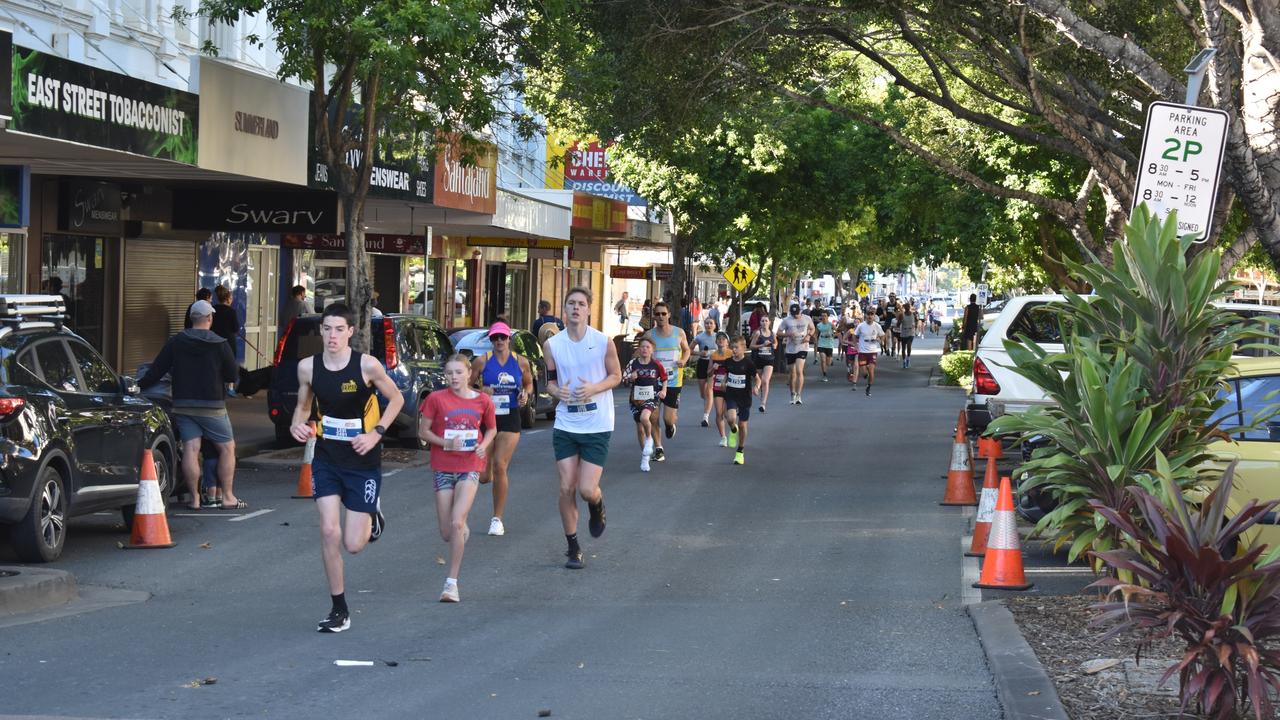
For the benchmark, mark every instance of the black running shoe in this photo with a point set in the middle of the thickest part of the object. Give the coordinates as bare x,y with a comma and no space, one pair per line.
574,561
671,431
659,454
868,391
337,621
379,523
705,423
596,524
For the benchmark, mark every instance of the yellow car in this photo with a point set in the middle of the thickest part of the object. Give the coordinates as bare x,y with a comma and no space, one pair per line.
1253,389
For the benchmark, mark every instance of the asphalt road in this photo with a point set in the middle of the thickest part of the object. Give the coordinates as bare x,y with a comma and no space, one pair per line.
821,580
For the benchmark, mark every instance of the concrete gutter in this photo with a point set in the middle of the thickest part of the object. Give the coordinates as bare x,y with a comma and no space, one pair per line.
1024,688
29,589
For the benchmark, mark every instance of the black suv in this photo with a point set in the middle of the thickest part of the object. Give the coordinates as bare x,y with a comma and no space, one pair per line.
413,349
72,431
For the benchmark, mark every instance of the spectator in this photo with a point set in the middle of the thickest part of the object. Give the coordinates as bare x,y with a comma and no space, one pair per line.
545,316
202,294
646,315
969,327
714,312
296,306
758,315
623,313
686,317
226,324
203,368
695,310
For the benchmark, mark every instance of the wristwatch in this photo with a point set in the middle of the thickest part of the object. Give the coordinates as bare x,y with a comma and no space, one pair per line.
379,429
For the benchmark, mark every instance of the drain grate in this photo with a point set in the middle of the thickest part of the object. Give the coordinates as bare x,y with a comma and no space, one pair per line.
8,573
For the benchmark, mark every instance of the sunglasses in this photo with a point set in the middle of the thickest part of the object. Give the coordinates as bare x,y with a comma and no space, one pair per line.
499,337
661,314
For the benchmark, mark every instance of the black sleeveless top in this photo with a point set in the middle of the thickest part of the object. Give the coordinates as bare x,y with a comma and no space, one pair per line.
348,407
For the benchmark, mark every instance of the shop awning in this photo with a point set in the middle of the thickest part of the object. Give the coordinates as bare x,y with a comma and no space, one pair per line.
523,213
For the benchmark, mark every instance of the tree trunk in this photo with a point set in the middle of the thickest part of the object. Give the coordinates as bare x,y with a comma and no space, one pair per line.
679,278
359,288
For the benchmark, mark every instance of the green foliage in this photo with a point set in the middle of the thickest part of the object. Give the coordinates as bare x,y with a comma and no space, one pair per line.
957,368
1146,356
1192,585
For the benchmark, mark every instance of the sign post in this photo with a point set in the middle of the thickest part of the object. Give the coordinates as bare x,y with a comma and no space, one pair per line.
1180,165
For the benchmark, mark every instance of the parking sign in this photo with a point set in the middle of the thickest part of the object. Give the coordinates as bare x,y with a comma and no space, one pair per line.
1181,162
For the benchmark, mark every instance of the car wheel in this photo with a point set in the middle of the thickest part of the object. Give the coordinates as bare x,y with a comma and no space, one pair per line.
40,535
162,464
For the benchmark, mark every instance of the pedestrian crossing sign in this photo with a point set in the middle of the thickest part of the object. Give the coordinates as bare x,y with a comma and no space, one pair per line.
739,274
862,290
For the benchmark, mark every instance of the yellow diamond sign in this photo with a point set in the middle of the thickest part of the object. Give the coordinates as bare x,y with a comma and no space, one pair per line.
739,274
862,290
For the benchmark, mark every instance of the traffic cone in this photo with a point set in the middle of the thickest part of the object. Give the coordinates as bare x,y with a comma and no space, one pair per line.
150,526
986,510
306,489
960,476
1002,566
989,447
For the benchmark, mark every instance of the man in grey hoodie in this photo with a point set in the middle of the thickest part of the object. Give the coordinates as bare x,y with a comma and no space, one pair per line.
203,368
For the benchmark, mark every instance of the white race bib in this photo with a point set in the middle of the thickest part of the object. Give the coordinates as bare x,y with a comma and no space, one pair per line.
644,392
470,438
502,404
340,429
737,381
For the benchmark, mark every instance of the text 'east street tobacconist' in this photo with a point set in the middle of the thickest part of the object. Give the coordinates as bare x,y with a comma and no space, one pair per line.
87,102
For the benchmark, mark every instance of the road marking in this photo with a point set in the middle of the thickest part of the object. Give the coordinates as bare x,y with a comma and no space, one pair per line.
534,432
253,514
1057,571
203,514
970,573
389,473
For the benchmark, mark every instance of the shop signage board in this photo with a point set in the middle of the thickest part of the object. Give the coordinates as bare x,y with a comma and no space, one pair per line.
740,274
373,242
397,174
466,177
530,243
255,211
598,215
90,207
250,124
629,272
1180,164
66,100
585,168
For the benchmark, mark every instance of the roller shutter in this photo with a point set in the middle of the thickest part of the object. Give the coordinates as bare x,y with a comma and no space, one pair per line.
159,284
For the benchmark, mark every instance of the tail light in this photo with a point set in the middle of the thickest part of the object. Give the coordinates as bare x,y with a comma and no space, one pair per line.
984,383
389,344
10,406
283,338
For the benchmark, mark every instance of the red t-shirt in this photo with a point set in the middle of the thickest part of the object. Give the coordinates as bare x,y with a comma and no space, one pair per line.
452,416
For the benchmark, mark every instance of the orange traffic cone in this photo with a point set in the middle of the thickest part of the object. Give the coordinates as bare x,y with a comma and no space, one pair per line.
1002,567
989,447
960,476
150,526
305,487
986,511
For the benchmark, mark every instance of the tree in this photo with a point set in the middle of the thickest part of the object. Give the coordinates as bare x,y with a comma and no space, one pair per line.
411,71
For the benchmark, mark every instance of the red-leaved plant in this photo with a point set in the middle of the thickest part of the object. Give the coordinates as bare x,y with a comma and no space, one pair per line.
1192,577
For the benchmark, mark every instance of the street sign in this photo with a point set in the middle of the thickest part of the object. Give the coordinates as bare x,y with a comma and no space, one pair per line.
739,274
1181,162
982,293
862,290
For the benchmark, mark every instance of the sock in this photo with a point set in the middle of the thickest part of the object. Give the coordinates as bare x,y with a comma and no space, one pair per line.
573,542
740,448
450,581
340,602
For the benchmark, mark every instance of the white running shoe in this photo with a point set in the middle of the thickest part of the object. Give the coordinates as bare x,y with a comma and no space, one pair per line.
799,400
644,463
450,593
648,447
793,398
724,441
496,527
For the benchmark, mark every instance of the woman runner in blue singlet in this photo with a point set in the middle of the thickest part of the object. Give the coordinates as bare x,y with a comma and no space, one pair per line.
506,376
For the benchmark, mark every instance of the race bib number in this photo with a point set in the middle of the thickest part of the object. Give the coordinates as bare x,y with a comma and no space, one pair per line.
501,404
469,437
644,392
765,350
585,408
340,429
737,381
718,382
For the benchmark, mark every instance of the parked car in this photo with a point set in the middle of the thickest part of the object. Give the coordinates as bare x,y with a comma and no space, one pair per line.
474,342
72,431
413,349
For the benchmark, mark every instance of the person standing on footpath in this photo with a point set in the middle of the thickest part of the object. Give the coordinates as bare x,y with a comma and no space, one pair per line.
508,379
671,348
202,294
969,327
582,370
544,317
225,322
347,468
296,306
623,312
460,425
203,370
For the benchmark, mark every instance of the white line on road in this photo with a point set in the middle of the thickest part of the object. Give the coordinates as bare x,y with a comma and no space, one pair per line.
389,473
253,514
203,514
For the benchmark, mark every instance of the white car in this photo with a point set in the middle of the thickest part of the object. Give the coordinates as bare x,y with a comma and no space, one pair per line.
998,389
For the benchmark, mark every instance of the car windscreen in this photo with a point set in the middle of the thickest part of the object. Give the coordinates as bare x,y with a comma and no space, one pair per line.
1040,323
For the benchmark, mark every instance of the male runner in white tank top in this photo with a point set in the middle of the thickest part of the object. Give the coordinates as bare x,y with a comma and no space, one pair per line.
582,370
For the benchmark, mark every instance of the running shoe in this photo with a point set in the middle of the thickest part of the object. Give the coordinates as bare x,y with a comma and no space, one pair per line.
659,455
337,621
671,431
724,441
450,593
644,463
908,362
704,422
868,389
496,527
739,459
574,561
379,522
762,409
793,398
648,447
596,523
826,379
799,400
733,437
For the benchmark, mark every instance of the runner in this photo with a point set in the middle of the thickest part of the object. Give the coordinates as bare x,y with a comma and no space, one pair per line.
763,344
508,378
347,468
671,348
741,382
460,425
798,331
906,333
582,370
647,378
703,343
868,334
826,342
721,353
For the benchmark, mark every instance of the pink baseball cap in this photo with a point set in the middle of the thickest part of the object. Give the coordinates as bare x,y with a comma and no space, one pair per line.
500,328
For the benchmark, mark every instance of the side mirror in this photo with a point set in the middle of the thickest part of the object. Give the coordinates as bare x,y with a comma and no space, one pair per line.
129,386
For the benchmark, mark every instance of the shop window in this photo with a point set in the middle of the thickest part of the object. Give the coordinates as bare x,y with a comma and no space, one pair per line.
11,261
73,268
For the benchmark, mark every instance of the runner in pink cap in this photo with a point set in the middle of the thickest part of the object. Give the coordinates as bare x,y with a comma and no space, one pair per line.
508,378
